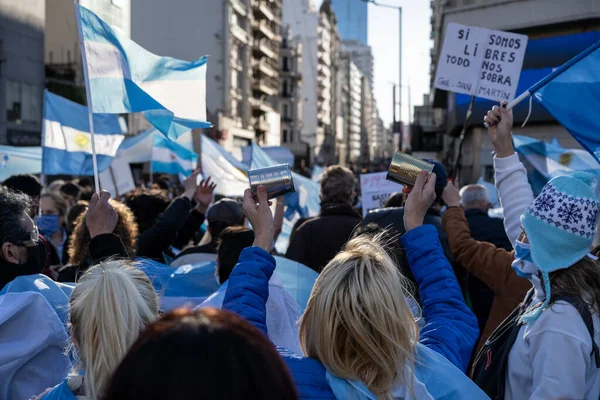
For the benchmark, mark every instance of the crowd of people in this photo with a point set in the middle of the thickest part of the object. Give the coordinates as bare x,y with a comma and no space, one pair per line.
427,298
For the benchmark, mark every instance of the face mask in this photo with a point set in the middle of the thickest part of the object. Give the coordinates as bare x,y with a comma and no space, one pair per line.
36,261
523,263
47,224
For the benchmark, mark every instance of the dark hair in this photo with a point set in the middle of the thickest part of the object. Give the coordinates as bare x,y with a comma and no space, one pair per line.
12,207
71,189
86,195
147,207
370,229
162,184
581,280
85,182
208,354
24,183
79,208
337,185
232,242
395,200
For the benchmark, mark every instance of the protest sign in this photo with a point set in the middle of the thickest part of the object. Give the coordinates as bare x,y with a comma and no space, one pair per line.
480,62
375,190
117,179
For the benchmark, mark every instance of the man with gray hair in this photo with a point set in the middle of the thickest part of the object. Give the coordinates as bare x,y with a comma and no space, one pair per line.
475,199
319,239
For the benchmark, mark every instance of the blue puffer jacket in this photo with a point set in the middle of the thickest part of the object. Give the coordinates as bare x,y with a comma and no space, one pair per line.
451,328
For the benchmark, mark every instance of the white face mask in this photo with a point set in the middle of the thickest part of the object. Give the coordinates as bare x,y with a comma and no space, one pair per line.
523,263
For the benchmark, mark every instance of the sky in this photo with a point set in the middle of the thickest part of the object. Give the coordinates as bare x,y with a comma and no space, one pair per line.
383,38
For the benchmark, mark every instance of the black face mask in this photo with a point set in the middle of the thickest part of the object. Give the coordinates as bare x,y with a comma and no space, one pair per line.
36,261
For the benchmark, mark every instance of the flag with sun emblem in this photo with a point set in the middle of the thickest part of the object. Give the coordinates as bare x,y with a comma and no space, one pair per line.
67,142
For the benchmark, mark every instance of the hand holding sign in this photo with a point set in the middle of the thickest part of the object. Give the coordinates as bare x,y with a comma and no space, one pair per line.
499,121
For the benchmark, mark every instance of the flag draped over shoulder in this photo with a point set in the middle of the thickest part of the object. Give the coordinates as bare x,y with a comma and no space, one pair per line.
169,157
67,142
126,78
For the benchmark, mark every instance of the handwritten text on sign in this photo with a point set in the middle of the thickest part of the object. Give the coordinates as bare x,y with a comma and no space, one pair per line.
375,190
481,62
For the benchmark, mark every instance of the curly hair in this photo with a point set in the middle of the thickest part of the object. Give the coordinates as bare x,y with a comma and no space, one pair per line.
126,229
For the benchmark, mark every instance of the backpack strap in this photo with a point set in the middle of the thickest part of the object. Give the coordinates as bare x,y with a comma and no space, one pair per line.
584,311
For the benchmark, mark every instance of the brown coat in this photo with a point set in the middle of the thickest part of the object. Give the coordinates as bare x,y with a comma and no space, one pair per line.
488,263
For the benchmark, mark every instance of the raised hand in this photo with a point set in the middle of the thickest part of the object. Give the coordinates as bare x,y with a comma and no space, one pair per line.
451,195
419,200
260,216
499,122
204,194
101,217
190,184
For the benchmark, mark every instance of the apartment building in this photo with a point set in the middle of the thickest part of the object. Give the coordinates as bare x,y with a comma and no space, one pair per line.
349,150
290,98
362,55
557,31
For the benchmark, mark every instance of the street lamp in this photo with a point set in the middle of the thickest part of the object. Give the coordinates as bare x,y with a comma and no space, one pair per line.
376,3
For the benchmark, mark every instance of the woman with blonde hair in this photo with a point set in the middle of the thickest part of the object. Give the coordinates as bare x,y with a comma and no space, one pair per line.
358,333
110,305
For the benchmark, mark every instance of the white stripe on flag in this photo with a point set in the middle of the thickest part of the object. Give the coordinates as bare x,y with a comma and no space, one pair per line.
57,136
167,156
188,97
105,61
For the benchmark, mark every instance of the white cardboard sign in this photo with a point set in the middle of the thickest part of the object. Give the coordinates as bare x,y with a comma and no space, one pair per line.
375,190
481,62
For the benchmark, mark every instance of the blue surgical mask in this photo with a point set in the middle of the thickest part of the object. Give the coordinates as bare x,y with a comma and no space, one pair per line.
523,263
47,224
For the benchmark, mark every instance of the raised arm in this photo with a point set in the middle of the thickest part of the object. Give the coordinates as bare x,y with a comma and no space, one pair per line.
203,197
514,191
248,288
451,328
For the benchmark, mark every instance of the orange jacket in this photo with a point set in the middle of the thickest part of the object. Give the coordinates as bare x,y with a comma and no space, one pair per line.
488,263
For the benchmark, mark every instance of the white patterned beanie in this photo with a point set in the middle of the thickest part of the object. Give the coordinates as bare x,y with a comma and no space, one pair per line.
560,225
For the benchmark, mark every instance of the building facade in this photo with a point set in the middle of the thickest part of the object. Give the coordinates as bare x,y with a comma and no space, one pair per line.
352,19
362,56
351,79
242,38
290,98
368,126
21,71
302,19
557,31
328,44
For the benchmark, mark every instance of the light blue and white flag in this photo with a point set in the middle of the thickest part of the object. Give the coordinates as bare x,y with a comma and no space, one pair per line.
225,170
67,142
20,160
172,158
126,78
544,161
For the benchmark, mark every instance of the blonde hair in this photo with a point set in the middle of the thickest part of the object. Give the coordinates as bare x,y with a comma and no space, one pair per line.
357,321
110,305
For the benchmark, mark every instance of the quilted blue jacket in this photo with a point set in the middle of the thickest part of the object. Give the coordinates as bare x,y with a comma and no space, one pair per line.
451,328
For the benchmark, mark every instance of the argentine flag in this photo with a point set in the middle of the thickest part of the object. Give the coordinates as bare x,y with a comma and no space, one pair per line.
172,158
126,78
67,142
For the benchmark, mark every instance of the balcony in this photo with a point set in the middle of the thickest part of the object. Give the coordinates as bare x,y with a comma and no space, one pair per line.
265,86
239,33
239,7
265,28
261,46
237,64
236,93
263,9
260,124
266,69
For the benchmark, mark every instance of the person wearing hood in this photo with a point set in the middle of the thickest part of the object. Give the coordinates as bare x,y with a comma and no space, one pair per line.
358,334
555,350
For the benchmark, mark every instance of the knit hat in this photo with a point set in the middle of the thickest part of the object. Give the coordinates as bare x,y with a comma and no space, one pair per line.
560,225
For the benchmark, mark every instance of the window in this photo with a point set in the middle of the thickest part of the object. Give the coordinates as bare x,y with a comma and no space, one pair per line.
291,136
286,111
285,89
23,102
286,66
285,136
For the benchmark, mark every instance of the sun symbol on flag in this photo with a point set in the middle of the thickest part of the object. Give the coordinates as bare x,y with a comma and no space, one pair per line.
82,141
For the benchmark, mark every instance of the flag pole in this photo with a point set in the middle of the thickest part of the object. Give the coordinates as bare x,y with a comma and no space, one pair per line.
462,139
88,94
554,74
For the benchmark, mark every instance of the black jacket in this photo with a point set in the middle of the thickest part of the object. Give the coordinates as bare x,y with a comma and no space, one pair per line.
319,239
392,219
101,247
175,227
484,229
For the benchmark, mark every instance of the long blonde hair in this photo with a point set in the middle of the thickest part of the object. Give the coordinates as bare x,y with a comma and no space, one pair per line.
357,321
110,305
